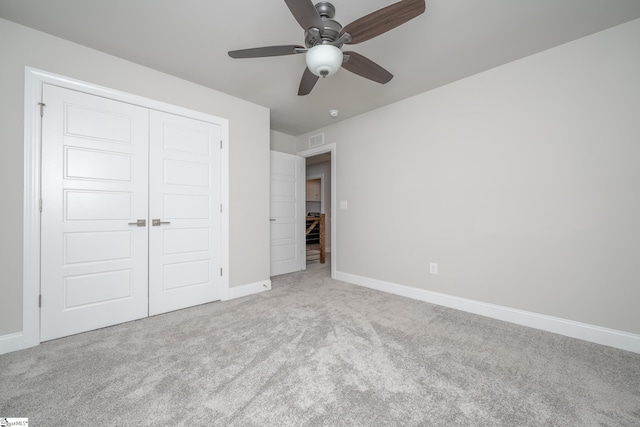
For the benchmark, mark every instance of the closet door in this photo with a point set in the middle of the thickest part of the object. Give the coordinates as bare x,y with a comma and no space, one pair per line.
184,208
94,239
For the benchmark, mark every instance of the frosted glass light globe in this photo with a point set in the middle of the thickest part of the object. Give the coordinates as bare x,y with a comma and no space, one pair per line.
324,60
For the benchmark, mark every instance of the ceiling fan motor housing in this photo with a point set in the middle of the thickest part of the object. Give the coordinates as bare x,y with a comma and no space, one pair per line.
331,29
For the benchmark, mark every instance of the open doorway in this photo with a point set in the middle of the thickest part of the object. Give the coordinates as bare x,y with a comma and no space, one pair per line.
318,208
320,191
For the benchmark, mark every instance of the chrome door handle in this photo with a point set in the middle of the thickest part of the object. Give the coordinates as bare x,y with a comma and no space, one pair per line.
272,219
157,222
139,223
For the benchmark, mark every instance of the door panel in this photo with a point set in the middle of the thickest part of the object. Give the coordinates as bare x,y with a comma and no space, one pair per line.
193,174
184,274
94,184
98,165
97,246
184,264
106,125
97,205
287,236
186,206
88,289
185,240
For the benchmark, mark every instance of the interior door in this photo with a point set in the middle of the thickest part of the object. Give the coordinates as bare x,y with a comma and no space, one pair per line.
94,212
287,213
184,187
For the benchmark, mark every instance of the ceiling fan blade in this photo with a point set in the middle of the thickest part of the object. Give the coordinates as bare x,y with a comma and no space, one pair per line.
306,14
366,68
307,83
383,20
260,52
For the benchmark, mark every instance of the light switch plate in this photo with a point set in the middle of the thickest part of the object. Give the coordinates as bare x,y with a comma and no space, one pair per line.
343,204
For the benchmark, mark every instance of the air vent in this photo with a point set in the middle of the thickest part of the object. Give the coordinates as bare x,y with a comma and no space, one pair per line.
316,140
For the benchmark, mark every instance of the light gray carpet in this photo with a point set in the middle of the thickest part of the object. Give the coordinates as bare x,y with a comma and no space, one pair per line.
314,351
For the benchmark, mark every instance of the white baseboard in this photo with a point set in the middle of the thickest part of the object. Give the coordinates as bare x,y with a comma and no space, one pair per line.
249,289
596,334
11,342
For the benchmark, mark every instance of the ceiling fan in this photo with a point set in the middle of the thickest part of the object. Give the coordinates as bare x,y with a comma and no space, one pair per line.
324,37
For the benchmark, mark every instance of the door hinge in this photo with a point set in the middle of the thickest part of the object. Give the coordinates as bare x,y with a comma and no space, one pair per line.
40,205
40,301
220,271
221,144
42,105
220,207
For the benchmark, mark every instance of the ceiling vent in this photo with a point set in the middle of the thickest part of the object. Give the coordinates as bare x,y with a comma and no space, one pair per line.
316,140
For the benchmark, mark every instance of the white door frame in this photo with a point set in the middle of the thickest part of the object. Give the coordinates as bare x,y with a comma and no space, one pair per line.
34,79
329,148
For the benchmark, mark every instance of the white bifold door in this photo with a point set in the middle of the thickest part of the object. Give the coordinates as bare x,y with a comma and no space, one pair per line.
130,219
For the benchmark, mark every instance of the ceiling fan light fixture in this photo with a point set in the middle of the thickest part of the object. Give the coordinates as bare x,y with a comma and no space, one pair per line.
324,60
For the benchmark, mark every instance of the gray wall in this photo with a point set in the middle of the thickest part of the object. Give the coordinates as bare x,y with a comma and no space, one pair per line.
248,158
283,143
522,183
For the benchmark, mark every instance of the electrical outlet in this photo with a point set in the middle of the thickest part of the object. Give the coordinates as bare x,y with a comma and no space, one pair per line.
433,268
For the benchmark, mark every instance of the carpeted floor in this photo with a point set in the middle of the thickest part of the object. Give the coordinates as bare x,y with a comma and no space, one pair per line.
317,352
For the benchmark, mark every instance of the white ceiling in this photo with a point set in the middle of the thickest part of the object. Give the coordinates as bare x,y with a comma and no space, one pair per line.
190,39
